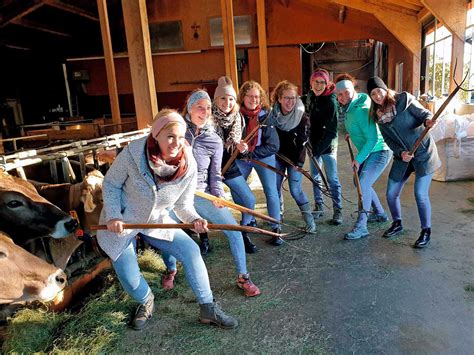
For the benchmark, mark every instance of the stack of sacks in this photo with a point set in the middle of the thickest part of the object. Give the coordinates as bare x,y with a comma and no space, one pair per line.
454,137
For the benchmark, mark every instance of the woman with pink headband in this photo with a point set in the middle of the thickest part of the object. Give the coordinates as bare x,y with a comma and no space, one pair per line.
148,178
321,105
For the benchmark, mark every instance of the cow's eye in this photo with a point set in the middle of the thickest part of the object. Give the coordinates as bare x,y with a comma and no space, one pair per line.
3,254
14,204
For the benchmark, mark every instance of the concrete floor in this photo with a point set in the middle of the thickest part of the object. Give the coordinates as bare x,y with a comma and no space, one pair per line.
382,296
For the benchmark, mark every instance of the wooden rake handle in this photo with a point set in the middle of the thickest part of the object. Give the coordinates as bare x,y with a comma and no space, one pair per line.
356,175
231,227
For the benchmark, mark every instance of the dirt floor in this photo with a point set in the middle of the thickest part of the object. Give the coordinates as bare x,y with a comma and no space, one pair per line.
323,294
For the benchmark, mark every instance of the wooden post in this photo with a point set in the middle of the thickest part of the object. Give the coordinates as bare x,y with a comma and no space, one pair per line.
139,56
457,56
230,54
109,62
262,44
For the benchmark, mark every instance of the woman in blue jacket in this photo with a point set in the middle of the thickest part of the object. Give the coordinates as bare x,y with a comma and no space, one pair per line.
401,120
262,147
207,149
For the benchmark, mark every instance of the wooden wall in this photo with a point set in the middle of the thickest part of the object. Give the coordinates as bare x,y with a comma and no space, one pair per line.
300,22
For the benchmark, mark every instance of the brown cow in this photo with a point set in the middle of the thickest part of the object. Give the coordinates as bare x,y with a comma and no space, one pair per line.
85,198
25,277
25,215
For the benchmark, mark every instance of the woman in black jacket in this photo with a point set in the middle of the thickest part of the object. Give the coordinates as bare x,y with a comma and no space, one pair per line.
321,105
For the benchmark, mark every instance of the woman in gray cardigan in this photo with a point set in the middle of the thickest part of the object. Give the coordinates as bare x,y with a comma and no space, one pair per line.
401,120
150,176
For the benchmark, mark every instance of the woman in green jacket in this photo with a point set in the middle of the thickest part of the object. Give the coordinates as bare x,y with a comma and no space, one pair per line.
373,155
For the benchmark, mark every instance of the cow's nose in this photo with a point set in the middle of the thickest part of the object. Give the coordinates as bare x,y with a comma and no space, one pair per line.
61,278
71,225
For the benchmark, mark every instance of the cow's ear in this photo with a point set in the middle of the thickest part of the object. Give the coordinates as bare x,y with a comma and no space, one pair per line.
88,200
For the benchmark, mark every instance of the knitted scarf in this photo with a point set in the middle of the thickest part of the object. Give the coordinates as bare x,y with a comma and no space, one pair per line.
291,119
230,124
386,116
162,170
252,117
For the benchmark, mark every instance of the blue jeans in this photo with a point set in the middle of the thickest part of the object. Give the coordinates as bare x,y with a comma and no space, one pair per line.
369,171
215,215
422,197
183,248
268,180
294,181
242,195
329,161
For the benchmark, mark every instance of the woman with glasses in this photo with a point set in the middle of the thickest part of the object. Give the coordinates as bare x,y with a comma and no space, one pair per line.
321,105
292,124
262,147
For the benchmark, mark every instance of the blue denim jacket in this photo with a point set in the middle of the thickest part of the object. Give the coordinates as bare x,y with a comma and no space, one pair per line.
401,134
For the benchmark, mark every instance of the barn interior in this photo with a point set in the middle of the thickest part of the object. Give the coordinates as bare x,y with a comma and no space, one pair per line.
56,56
80,79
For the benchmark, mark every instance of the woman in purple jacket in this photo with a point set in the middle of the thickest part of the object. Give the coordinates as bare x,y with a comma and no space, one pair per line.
207,149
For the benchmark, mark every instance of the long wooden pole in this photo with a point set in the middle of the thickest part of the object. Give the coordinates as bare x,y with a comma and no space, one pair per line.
434,118
356,176
236,206
231,227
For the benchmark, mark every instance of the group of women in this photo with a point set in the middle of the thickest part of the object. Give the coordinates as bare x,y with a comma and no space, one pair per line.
220,141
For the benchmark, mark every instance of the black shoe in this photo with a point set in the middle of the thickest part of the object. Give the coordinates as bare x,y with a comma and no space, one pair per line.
424,238
253,223
250,248
395,229
143,313
276,241
204,245
337,217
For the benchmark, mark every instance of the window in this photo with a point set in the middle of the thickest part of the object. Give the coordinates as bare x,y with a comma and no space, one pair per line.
437,48
469,58
242,28
166,36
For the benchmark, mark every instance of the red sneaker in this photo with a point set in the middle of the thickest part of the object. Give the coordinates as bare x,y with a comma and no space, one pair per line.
250,290
167,281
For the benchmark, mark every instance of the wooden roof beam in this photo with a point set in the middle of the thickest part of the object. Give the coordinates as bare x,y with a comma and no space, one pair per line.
72,9
39,27
390,5
17,10
403,4
423,15
403,27
451,13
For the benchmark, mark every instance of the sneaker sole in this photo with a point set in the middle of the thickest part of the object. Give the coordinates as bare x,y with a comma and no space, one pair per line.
346,237
393,234
248,295
214,323
420,246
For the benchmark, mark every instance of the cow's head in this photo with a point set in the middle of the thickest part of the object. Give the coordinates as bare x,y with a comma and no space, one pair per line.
91,197
25,277
25,215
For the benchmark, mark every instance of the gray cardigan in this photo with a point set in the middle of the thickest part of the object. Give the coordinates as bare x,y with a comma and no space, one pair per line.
401,133
131,194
